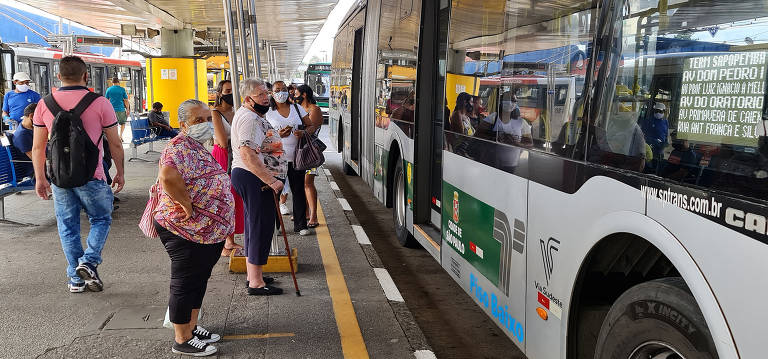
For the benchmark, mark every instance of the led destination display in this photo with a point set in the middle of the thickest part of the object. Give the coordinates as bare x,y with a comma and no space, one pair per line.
722,98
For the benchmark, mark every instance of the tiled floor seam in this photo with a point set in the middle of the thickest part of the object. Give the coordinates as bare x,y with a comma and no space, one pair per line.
423,351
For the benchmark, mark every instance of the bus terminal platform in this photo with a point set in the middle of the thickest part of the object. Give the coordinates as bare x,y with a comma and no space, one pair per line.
342,312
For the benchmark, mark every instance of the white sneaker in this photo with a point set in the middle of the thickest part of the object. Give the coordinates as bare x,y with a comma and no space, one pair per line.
305,232
284,209
194,347
205,336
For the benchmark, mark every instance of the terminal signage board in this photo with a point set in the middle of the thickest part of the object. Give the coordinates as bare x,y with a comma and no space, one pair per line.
722,98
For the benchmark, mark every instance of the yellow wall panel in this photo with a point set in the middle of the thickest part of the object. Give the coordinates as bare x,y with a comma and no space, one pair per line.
172,81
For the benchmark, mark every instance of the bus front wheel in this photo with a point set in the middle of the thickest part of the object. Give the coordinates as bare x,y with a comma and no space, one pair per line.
399,204
655,319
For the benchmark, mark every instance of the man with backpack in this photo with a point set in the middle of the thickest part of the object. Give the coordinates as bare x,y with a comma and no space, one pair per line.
71,159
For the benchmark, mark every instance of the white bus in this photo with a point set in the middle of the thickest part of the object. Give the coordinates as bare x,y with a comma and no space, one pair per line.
639,231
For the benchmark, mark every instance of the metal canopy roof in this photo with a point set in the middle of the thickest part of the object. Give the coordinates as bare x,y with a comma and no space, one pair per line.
290,25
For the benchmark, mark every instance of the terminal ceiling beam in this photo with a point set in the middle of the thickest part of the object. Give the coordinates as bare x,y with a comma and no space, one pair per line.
290,26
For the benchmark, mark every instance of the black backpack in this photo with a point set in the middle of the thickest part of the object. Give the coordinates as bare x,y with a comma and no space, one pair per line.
71,155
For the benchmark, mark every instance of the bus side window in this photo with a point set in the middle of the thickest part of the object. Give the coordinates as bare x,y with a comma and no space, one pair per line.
674,110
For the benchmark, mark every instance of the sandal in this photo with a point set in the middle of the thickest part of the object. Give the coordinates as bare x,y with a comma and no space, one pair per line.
226,252
267,280
265,290
313,225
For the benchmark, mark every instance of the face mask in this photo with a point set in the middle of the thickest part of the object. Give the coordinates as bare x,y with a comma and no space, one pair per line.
280,97
22,88
299,99
201,132
228,99
658,116
260,109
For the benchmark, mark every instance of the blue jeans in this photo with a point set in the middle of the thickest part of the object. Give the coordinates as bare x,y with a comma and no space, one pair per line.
95,198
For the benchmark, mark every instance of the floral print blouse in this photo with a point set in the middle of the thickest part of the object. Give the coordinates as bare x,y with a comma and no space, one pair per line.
209,188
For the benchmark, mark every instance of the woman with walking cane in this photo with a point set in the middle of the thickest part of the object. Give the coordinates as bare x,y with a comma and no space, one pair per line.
258,172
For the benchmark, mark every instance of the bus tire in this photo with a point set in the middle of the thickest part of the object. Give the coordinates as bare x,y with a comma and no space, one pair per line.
399,205
658,318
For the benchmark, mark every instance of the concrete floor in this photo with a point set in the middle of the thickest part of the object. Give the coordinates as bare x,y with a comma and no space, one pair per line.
40,318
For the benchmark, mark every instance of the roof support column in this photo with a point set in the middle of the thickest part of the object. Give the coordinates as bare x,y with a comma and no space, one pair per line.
241,26
254,37
234,73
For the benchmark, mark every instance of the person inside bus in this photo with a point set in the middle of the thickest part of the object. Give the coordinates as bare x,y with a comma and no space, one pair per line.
460,121
406,111
478,113
511,128
159,122
683,162
14,102
656,130
620,141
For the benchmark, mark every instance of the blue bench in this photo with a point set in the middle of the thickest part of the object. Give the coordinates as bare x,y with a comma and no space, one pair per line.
9,184
141,133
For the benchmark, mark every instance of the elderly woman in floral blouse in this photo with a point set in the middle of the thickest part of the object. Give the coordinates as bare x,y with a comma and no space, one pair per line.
194,216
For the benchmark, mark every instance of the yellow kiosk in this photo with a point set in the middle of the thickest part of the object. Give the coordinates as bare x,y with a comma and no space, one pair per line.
172,80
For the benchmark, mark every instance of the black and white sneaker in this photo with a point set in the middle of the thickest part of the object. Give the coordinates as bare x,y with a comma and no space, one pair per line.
205,336
194,347
88,272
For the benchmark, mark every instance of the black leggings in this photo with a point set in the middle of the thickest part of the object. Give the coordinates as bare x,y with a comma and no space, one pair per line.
296,182
191,266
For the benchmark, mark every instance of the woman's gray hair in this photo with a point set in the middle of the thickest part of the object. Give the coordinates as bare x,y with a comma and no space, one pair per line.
185,109
251,84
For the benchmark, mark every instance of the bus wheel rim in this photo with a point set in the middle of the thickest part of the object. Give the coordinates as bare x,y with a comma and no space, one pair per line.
655,350
400,195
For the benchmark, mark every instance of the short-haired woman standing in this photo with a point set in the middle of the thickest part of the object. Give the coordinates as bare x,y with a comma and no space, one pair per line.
258,172
291,122
193,218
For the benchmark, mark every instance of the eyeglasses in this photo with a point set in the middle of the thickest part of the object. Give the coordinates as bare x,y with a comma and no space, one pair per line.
658,111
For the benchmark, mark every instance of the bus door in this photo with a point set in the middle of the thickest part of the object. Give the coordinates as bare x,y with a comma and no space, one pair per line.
41,77
6,71
138,90
428,154
356,112
99,79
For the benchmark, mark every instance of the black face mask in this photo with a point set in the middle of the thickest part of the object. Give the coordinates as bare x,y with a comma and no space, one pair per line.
469,108
260,109
299,99
228,99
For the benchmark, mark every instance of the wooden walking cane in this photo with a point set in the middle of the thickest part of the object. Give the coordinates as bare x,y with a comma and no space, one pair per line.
285,237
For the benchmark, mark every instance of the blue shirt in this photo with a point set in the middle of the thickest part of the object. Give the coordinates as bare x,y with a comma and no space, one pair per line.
116,94
22,143
655,132
14,102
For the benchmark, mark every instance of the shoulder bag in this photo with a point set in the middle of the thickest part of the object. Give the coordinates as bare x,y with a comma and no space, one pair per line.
308,153
147,222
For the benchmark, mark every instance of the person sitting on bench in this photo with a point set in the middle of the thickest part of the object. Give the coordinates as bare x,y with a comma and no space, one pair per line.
157,120
21,150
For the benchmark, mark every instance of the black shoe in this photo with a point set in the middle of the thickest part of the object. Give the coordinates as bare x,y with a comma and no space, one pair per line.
265,290
87,272
205,336
267,280
194,347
